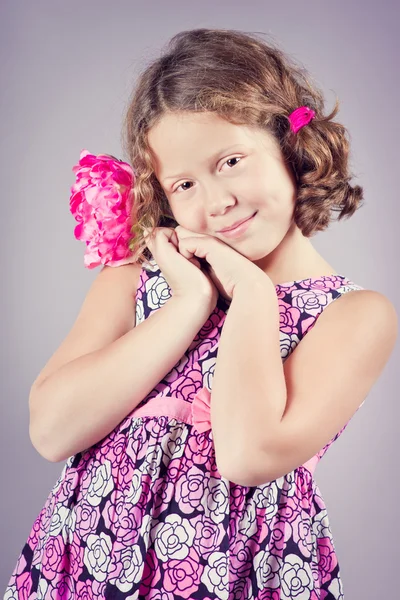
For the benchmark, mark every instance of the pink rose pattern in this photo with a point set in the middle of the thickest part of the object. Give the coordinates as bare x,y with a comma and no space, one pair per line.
145,514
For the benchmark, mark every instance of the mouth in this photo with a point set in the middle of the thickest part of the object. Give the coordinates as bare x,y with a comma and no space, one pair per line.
239,229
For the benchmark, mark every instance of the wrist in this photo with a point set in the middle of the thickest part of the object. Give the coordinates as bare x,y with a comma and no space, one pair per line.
199,304
257,283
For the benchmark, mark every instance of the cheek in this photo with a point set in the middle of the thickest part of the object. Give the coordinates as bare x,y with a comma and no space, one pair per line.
273,194
257,187
190,217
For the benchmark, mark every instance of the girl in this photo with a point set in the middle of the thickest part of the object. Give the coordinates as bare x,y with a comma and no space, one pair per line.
190,415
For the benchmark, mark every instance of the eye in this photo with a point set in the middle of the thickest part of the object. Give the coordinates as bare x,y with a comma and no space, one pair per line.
232,158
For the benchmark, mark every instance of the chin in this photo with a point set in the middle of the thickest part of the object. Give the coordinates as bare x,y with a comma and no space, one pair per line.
258,252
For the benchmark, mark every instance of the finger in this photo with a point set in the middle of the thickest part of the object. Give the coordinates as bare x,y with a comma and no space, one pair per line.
173,238
195,262
184,251
165,240
183,233
194,246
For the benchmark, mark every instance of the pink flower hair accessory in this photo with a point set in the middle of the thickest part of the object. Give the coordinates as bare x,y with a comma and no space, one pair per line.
101,202
300,117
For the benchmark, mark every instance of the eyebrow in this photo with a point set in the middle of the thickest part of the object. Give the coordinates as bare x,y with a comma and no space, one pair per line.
213,158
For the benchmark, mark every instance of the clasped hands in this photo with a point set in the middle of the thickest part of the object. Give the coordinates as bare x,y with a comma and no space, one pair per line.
218,262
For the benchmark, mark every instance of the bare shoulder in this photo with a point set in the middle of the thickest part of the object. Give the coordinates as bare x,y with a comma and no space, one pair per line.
363,304
357,328
128,275
113,289
369,315
108,311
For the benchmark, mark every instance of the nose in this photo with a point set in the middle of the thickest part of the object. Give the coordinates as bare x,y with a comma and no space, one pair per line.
217,200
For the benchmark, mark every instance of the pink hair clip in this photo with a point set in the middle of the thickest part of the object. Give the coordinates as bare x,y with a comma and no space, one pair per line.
300,117
101,202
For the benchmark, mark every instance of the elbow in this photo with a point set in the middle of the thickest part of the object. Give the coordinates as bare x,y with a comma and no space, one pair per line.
262,468
250,472
246,477
36,431
39,443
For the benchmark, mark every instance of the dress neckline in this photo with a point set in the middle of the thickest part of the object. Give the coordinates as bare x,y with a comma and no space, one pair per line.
224,301
290,283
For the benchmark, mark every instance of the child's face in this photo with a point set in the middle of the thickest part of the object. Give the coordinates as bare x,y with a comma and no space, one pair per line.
215,173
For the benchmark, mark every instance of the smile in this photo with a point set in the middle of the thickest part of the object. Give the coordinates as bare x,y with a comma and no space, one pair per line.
239,230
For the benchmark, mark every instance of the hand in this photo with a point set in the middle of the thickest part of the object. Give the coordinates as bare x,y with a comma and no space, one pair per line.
226,267
183,275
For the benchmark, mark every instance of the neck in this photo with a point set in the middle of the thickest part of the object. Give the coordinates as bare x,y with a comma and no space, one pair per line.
294,258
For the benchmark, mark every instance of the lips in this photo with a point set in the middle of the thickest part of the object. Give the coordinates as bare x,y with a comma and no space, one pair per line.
236,224
239,230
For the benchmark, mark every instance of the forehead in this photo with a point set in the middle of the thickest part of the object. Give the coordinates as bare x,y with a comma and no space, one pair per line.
182,139
191,128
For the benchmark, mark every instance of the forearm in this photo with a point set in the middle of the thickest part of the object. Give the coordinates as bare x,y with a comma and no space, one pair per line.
85,399
249,389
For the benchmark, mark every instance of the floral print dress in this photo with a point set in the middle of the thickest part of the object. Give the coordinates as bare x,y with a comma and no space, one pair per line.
145,514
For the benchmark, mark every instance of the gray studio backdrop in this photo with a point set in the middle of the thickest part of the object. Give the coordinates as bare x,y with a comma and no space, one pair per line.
66,72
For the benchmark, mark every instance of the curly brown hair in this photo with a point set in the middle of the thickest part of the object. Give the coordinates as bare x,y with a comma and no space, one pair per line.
247,82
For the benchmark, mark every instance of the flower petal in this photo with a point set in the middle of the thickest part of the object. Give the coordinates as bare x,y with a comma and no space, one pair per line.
101,202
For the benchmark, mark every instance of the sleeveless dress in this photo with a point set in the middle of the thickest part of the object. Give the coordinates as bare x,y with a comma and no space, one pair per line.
144,512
